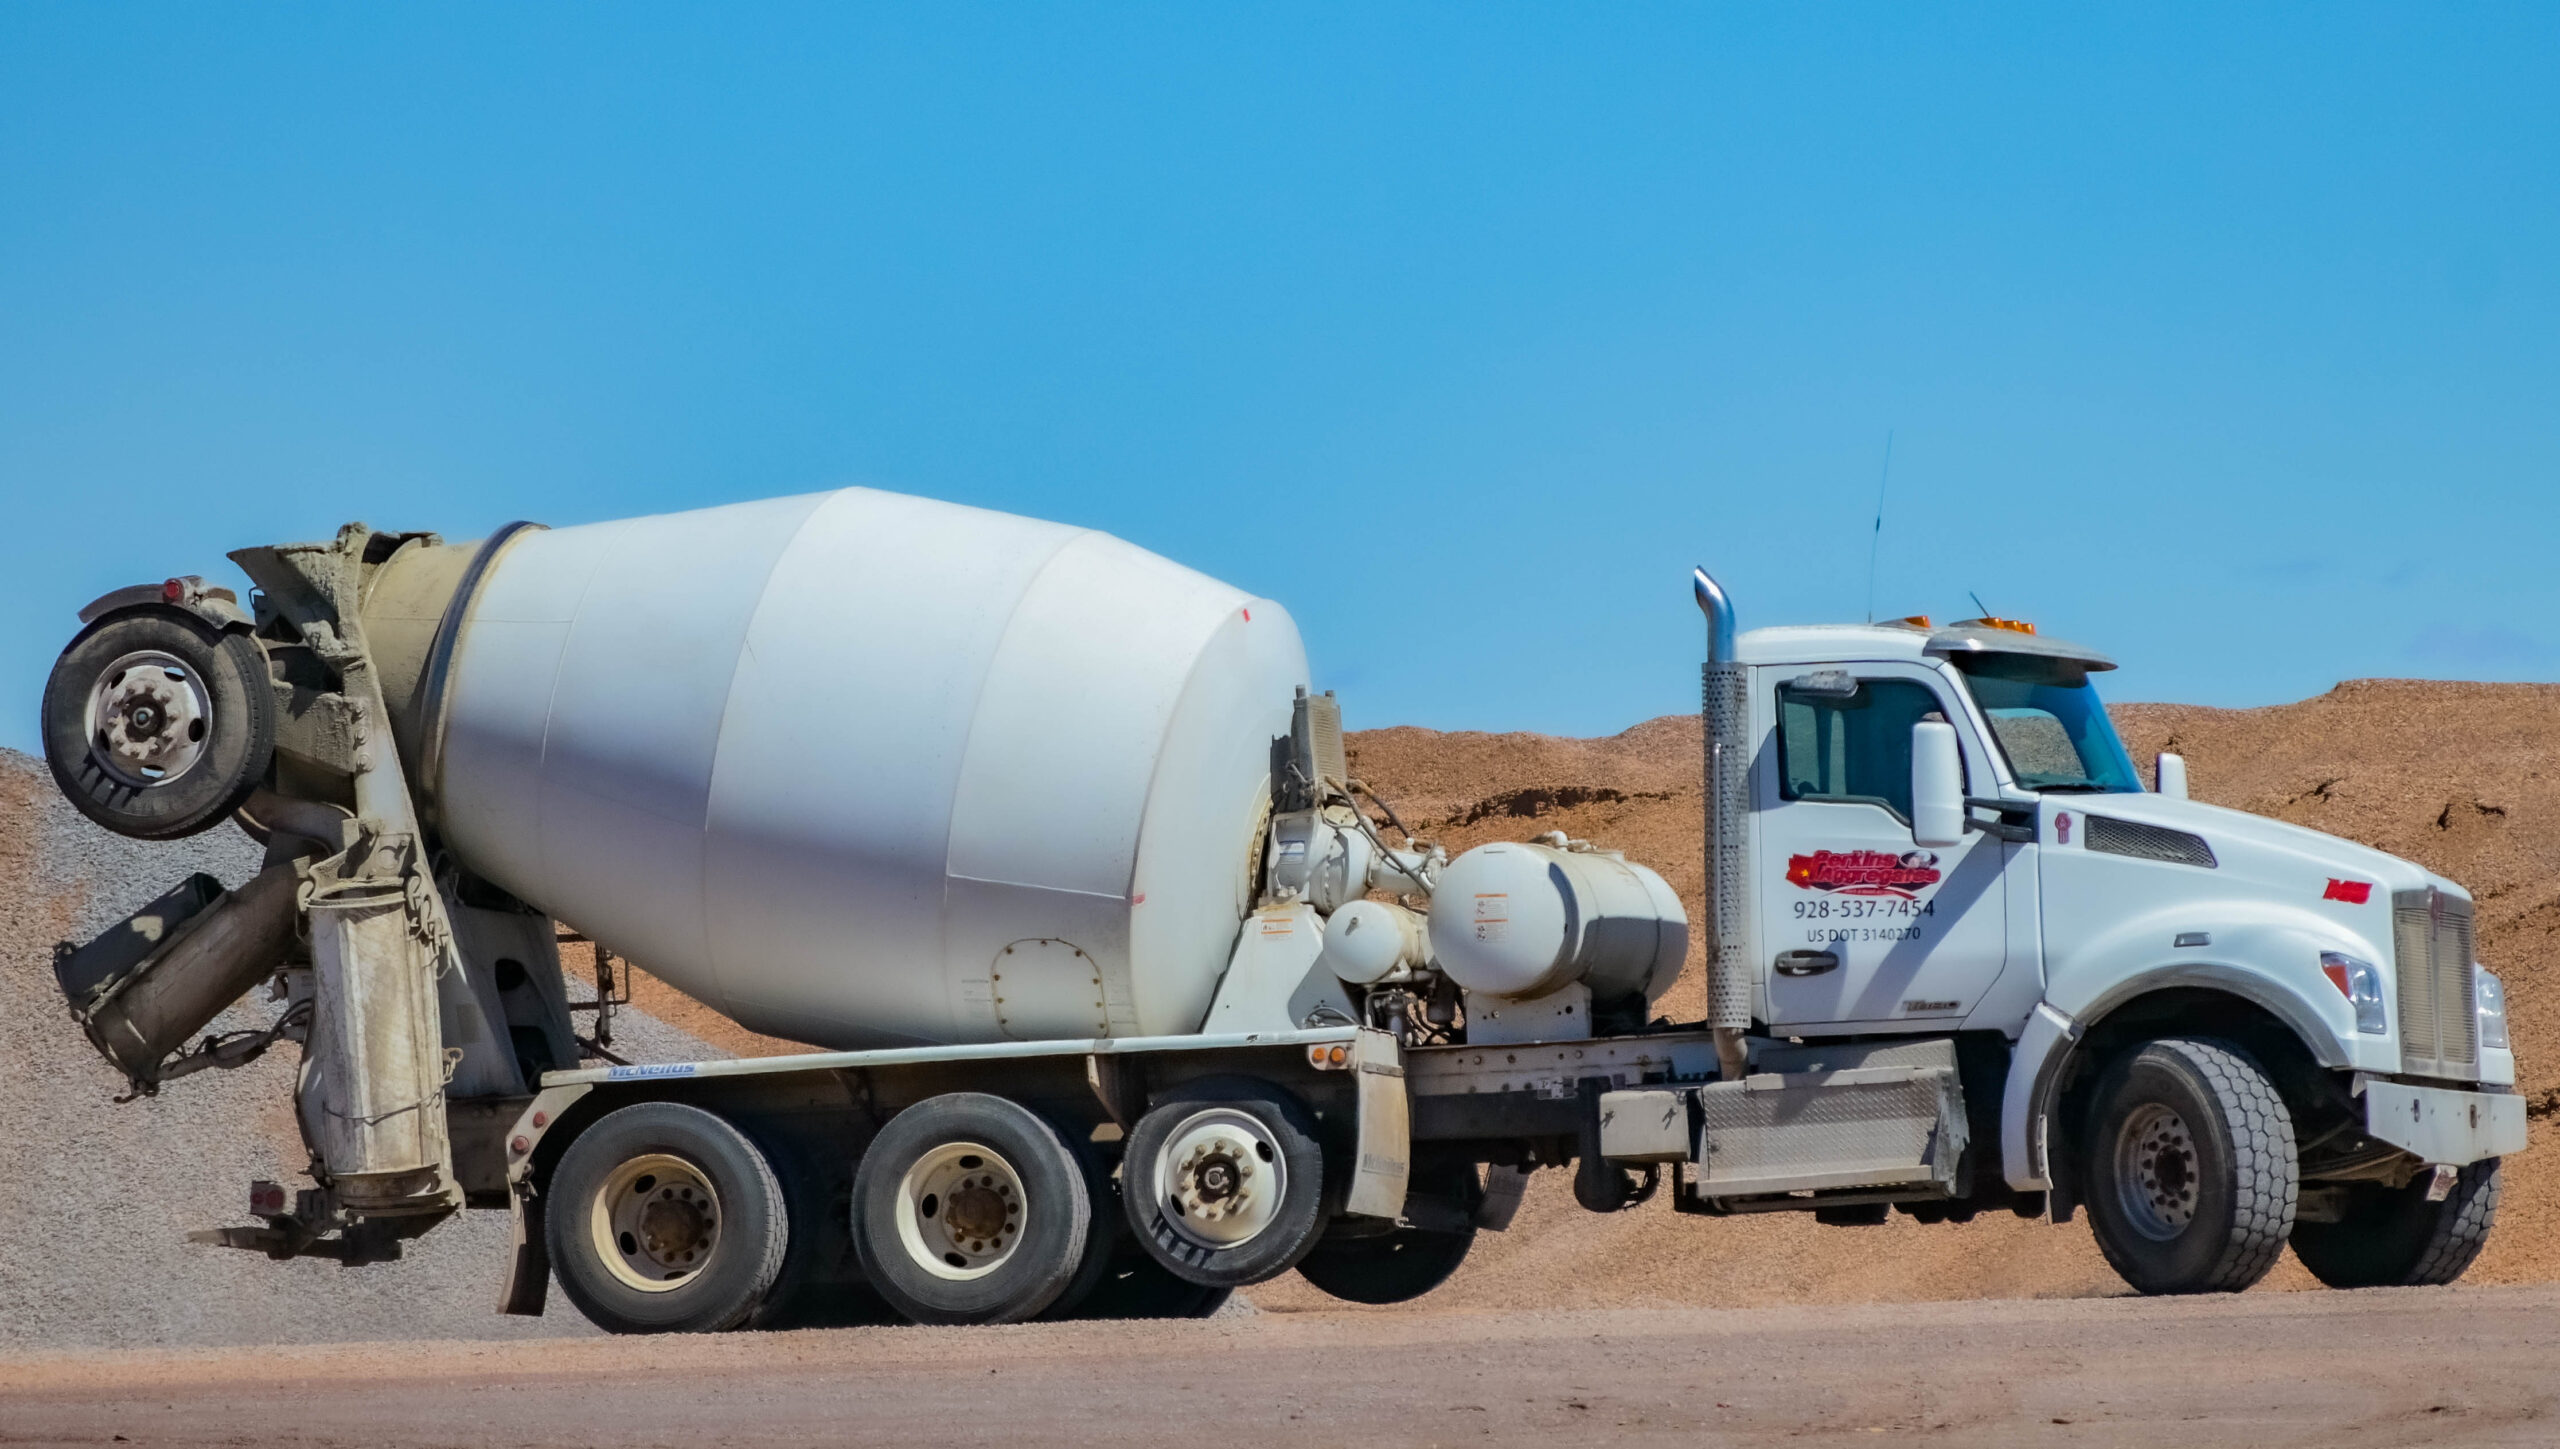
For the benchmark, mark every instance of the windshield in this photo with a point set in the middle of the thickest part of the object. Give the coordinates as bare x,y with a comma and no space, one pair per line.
2049,723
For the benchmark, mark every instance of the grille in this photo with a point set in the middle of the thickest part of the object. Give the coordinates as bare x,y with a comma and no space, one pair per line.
2439,1019
2148,842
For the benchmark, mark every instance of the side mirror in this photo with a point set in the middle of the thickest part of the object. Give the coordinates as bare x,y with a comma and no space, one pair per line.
1937,785
2173,776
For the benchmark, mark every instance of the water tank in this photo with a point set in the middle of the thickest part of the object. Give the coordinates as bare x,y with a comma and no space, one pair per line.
862,769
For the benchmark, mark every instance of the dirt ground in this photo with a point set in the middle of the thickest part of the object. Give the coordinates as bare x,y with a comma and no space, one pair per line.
2338,1370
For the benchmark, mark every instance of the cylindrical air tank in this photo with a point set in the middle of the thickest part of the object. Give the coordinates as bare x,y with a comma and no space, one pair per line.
862,769
1520,921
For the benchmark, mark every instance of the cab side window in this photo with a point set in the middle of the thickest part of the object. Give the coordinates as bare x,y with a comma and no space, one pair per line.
1852,746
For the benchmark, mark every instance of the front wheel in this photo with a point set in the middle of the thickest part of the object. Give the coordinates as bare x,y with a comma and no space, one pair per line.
2394,1237
2191,1173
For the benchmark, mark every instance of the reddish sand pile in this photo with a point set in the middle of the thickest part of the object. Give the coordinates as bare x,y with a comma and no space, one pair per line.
2464,778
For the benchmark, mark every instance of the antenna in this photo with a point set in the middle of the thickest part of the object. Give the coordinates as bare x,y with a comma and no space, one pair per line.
1877,540
1980,609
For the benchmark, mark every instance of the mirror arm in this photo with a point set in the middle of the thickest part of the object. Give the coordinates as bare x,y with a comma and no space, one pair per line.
2005,828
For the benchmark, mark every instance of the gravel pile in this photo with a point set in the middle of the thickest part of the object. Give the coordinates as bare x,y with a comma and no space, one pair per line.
99,1197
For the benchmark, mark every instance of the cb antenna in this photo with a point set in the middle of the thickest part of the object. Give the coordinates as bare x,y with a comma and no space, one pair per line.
1876,541
1980,609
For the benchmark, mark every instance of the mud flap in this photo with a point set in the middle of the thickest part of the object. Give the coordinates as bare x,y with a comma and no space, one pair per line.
1383,1155
528,1282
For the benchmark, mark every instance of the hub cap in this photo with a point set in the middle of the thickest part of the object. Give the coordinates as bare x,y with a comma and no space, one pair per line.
149,719
2158,1176
960,1211
656,1222
1222,1176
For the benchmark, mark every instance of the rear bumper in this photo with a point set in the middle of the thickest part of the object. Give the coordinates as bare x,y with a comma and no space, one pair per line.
2441,1125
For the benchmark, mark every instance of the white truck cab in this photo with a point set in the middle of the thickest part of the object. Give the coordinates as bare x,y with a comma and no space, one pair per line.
1942,833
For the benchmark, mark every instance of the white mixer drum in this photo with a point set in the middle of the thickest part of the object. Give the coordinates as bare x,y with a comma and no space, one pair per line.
862,769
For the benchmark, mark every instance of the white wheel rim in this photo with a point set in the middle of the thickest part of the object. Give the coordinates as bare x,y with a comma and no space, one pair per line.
149,719
656,1222
961,1208
2158,1177
1221,1178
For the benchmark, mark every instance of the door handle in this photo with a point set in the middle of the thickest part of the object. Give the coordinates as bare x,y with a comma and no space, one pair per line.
1807,963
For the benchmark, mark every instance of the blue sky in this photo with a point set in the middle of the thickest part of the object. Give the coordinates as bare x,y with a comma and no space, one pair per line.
2225,341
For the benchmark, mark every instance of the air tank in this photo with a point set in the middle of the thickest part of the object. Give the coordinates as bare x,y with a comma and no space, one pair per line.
858,769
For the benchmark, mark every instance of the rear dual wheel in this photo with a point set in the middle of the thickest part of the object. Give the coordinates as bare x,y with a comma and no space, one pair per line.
1224,1182
969,1208
663,1218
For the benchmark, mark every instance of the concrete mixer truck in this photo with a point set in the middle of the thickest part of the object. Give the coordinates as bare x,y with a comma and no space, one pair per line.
1125,992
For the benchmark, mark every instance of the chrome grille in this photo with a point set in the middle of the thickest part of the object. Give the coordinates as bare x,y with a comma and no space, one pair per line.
2439,1017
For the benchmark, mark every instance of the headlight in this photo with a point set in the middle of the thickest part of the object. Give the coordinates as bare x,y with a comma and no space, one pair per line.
2360,982
2491,993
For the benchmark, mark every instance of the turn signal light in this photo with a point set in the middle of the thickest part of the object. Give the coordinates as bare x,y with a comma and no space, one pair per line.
1328,1058
2360,982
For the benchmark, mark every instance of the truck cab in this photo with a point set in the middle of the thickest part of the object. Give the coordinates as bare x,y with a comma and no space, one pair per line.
1945,836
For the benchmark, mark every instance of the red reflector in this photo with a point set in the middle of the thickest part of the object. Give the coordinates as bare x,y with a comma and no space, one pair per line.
1248,616
173,591
2336,971
2353,892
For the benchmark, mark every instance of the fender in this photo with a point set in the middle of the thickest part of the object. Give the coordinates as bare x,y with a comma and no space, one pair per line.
215,606
2046,1044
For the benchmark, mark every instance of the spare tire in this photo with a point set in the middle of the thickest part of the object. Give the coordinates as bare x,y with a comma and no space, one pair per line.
158,724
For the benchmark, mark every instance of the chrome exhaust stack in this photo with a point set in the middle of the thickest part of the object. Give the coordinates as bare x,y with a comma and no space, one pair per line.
1724,711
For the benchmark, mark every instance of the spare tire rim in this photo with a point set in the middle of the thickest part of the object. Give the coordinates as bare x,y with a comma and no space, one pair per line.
2158,1177
149,719
961,1208
1222,1178
656,1222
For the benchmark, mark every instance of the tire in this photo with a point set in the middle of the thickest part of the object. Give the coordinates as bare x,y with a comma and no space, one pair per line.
2191,1173
1106,1242
1135,1285
968,1208
1394,1267
663,1218
158,725
1399,1264
2395,1237
1213,1217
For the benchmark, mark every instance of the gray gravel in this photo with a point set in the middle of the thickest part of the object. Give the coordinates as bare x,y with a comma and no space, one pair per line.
99,1197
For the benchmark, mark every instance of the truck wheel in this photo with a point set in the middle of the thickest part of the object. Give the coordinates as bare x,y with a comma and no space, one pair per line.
1135,1285
1389,1267
968,1208
2395,1237
1399,1264
1224,1182
2191,1168
663,1218
157,724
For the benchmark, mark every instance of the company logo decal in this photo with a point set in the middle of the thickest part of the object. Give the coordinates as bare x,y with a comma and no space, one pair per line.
2353,892
2062,828
1864,872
